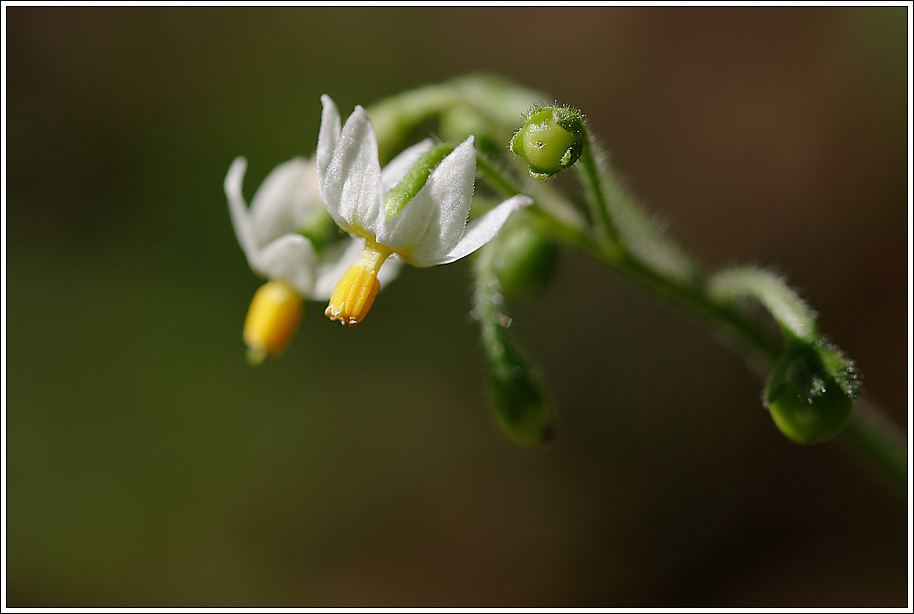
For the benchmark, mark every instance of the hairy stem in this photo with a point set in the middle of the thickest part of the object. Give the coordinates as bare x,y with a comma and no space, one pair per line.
621,236
869,433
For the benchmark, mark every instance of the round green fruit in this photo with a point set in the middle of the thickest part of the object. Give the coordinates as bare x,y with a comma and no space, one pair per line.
812,420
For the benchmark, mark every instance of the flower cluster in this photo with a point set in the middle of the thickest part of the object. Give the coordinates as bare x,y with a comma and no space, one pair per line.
272,234
415,210
338,227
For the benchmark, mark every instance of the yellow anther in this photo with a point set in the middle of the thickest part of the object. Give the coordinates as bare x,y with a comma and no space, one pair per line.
272,318
356,291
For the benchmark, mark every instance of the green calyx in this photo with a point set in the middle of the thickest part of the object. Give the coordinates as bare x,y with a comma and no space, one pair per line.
414,180
551,139
810,394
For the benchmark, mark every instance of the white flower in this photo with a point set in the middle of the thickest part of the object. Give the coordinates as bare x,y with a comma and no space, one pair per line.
267,232
287,202
408,209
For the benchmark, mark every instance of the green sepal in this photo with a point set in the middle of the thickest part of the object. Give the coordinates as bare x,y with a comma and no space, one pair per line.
569,118
840,368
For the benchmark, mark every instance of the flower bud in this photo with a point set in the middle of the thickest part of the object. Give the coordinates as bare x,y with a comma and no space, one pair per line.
551,139
806,401
518,401
525,261
272,319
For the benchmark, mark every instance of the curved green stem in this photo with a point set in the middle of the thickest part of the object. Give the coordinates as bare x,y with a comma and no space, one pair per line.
499,101
396,118
596,194
869,432
624,238
788,309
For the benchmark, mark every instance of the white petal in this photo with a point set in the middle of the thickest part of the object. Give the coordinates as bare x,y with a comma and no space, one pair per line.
336,259
329,133
350,184
239,211
284,200
485,228
431,224
397,168
290,258
416,225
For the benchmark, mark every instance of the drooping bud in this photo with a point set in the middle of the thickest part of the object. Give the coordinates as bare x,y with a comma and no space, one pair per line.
525,260
272,319
551,139
518,400
810,394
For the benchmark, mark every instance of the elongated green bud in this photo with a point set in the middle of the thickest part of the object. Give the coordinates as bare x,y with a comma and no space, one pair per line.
519,401
810,393
551,139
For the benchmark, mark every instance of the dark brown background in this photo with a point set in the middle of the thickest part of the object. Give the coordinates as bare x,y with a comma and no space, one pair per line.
148,465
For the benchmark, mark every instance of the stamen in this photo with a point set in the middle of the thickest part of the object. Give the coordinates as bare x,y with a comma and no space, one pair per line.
356,291
272,318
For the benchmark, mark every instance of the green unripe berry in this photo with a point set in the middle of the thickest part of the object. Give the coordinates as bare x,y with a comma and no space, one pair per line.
806,403
525,261
544,143
551,140
811,420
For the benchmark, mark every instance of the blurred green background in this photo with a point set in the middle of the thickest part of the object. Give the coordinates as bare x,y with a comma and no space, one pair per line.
149,465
